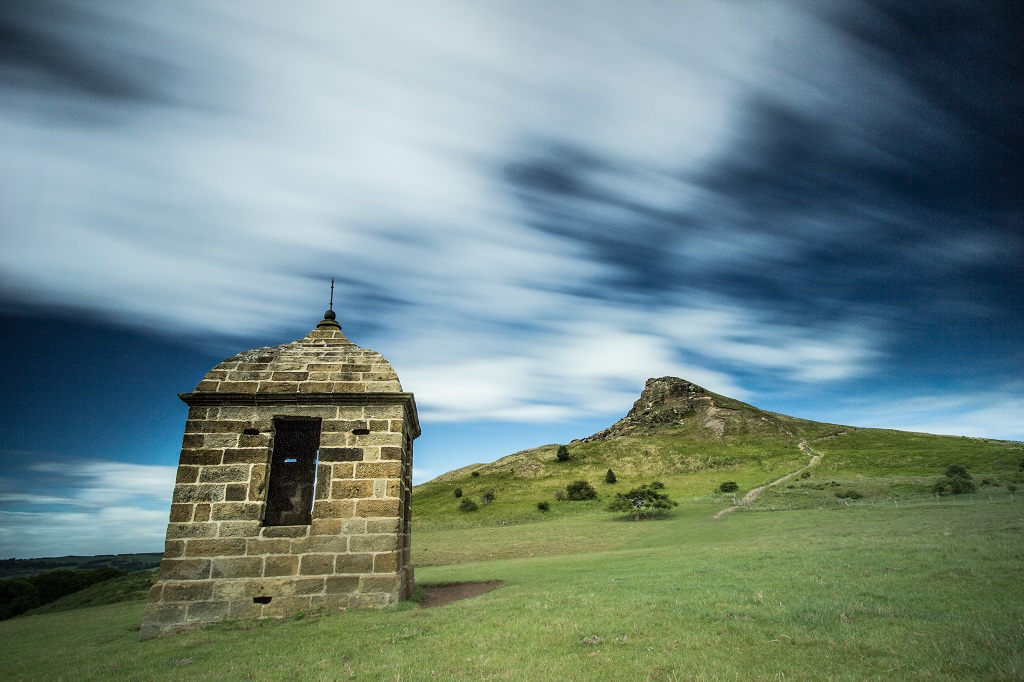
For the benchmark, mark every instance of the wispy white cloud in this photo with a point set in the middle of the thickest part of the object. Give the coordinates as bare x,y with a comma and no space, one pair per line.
589,360
994,412
84,507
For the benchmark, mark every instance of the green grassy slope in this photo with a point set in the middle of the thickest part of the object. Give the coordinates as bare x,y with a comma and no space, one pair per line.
693,440
894,466
131,587
930,593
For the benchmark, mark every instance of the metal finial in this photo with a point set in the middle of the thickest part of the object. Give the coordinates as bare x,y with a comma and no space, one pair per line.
329,316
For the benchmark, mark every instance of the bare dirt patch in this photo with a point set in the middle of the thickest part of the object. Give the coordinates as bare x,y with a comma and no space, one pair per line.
439,595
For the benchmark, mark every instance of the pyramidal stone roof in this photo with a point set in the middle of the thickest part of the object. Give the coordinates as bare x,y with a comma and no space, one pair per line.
324,361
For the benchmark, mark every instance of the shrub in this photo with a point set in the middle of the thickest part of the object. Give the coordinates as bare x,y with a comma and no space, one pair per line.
563,454
610,477
645,500
467,505
962,486
475,474
956,480
559,495
728,487
457,492
488,497
580,490
849,495
957,471
544,506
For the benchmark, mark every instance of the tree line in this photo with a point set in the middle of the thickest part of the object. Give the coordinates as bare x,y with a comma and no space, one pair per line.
18,595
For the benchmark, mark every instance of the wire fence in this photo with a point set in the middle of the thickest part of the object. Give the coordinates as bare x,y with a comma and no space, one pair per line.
906,502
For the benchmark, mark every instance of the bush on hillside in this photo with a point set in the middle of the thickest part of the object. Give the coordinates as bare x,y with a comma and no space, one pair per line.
643,501
467,505
544,506
956,481
488,497
475,474
728,487
559,494
957,471
457,492
849,495
610,477
580,490
563,454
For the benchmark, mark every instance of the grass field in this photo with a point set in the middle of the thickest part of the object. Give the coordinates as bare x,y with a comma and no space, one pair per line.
922,593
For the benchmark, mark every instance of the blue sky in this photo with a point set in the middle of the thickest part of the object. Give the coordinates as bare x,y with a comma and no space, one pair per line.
530,208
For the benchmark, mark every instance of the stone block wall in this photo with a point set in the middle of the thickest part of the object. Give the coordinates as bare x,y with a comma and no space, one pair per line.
222,562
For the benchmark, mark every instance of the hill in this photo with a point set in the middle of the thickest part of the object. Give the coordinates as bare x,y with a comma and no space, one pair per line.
126,563
128,587
693,440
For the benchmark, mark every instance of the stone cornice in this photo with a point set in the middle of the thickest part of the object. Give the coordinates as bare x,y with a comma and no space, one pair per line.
202,399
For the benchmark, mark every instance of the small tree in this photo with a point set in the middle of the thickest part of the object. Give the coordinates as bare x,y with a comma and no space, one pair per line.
580,490
728,487
563,454
488,497
467,505
957,471
610,477
457,492
643,501
956,480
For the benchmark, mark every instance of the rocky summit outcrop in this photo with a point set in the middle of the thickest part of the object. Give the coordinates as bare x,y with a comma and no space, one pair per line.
666,402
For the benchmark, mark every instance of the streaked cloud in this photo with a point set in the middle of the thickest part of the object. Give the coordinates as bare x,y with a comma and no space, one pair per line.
99,507
981,412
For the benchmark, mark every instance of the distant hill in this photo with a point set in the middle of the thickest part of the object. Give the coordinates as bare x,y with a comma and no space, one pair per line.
693,439
127,563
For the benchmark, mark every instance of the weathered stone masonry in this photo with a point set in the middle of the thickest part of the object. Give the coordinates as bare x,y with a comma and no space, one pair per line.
293,488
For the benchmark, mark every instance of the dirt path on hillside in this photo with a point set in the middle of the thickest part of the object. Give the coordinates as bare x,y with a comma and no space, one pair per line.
756,492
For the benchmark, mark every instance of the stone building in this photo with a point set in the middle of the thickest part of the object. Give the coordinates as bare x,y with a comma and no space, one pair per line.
293,487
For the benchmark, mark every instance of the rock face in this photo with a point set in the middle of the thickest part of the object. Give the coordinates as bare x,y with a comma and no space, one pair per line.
666,401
